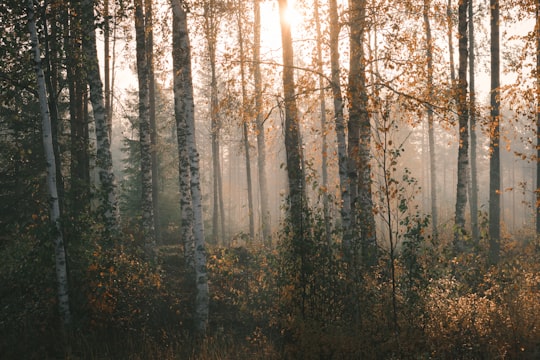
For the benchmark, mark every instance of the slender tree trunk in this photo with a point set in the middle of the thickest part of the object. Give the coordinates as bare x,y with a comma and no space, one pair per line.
494,148
537,30
463,119
107,64
147,207
360,140
324,150
109,204
185,117
431,132
149,22
450,24
210,32
54,207
259,122
52,63
473,193
340,127
245,121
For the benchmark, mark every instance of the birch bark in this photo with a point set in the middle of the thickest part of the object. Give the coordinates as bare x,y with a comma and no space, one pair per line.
340,128
185,119
54,206
109,202
144,131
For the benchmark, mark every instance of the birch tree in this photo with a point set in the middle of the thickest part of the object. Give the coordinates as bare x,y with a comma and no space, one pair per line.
54,206
185,120
463,118
144,129
337,97
109,202
359,140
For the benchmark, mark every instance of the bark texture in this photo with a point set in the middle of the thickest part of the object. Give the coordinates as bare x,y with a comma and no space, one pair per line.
147,207
185,119
359,141
494,149
463,119
109,202
54,206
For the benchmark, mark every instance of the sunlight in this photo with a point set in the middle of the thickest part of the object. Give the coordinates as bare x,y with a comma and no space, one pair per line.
292,15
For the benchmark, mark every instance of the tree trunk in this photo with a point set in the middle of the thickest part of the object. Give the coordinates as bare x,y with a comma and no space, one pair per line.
54,207
107,63
109,203
450,25
210,33
494,148
360,141
259,122
185,117
431,133
340,128
293,147
324,149
473,193
149,22
463,119
245,120
537,30
147,207
80,160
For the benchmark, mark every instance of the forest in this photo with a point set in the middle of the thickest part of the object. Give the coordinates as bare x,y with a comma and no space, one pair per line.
269,179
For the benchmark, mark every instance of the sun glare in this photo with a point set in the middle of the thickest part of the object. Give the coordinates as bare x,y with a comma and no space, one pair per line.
292,15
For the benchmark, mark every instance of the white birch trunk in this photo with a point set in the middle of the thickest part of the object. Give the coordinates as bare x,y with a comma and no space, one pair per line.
186,113
109,203
54,206
144,132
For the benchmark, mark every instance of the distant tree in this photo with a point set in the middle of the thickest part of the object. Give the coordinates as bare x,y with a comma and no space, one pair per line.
259,124
245,118
431,132
322,109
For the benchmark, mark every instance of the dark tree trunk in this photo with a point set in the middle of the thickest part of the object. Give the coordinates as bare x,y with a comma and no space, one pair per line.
463,119
473,188
360,141
494,148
